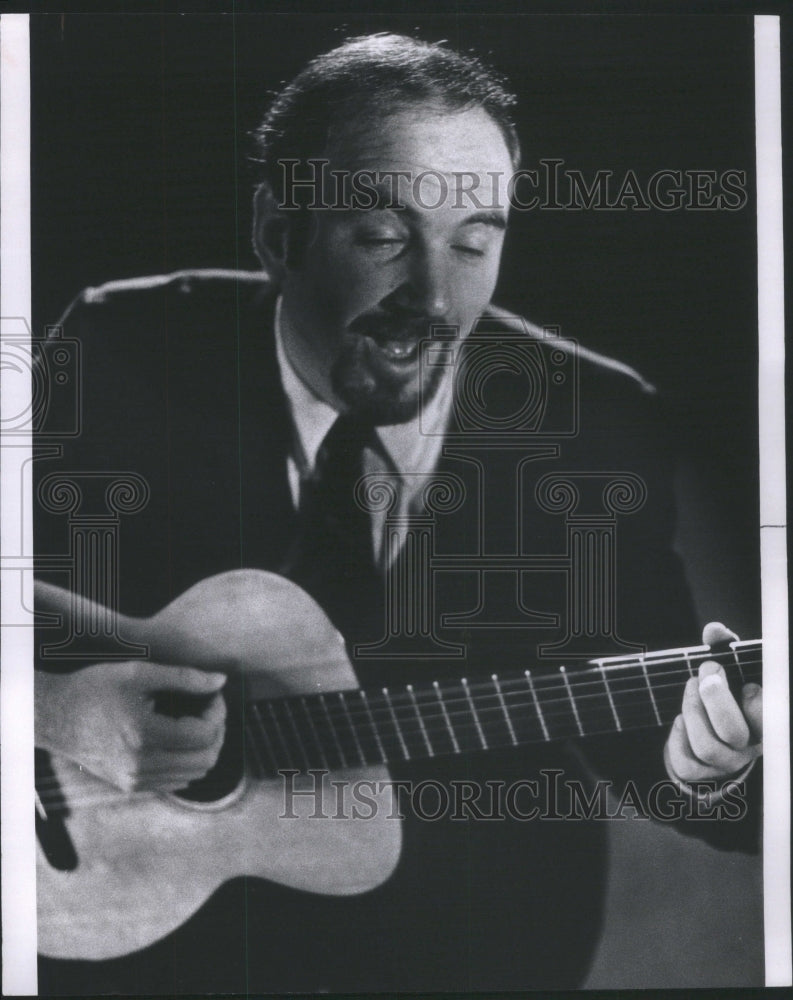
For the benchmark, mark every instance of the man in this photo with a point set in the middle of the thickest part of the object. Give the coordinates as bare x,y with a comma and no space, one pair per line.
224,391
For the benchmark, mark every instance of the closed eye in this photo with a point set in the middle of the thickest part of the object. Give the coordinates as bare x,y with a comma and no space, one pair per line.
468,251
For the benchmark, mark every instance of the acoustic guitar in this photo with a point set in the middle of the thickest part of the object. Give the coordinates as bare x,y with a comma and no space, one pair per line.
118,871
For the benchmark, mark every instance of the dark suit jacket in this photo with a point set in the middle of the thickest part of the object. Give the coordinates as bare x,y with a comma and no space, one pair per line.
180,385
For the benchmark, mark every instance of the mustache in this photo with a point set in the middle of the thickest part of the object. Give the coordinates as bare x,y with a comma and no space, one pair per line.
387,326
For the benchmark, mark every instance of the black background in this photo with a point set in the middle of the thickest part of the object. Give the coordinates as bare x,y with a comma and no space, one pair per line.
140,164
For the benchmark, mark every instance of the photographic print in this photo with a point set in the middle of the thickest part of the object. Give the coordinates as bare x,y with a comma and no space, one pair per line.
383,568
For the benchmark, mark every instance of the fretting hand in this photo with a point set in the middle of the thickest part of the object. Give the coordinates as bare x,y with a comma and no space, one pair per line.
715,737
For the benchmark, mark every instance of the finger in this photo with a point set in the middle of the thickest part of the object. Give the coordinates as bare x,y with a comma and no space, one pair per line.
187,679
752,703
704,743
164,781
188,732
722,709
193,764
681,758
717,634
215,711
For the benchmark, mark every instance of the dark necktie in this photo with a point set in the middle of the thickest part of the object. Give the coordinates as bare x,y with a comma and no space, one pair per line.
332,557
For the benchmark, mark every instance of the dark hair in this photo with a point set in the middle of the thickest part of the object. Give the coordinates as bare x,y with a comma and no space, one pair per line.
364,79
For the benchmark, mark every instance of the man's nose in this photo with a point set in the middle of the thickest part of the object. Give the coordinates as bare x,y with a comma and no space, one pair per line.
425,290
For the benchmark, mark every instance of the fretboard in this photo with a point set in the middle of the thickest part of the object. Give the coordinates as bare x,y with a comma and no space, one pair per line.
344,729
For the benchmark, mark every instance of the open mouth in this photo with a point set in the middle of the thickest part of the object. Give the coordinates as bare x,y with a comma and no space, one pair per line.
397,343
398,350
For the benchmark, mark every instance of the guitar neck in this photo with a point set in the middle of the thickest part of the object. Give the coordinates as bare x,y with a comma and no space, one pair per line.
434,718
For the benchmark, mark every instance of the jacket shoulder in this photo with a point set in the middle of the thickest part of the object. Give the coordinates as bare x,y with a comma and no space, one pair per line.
187,288
600,367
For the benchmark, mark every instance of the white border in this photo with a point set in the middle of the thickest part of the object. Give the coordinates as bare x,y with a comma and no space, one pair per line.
16,644
773,510
16,534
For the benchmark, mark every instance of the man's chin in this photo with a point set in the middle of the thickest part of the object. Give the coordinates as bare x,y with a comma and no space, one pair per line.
378,392
380,409
382,404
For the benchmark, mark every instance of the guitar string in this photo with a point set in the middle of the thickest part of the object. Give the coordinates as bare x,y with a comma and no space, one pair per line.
481,690
64,790
548,707
510,685
577,678
56,805
353,714
542,682
552,709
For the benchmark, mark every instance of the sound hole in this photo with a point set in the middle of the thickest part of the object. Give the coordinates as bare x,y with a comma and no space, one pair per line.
50,817
227,773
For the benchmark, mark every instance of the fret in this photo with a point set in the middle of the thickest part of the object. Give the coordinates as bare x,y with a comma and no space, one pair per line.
288,754
403,745
629,692
591,698
521,709
434,721
550,693
698,658
477,723
414,730
298,738
490,711
377,739
669,670
603,674
352,727
540,716
442,703
738,662
267,744
650,689
572,701
332,729
314,733
410,691
497,686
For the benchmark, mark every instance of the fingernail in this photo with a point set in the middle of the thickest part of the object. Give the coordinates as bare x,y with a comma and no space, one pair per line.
751,690
712,680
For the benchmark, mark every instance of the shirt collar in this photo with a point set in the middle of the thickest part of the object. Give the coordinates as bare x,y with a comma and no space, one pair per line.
412,447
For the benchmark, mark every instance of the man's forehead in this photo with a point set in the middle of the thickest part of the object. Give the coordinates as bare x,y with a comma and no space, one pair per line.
423,139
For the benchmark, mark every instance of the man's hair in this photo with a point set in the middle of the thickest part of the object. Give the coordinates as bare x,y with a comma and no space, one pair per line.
365,79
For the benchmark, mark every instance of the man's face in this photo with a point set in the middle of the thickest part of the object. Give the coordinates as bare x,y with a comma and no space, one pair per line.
372,281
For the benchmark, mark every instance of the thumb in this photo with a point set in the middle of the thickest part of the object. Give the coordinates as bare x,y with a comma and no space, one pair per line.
717,634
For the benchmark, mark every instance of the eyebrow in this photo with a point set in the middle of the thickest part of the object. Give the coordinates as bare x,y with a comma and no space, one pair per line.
386,202
495,219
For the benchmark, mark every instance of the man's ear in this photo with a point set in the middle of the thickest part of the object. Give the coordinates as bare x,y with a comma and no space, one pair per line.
270,231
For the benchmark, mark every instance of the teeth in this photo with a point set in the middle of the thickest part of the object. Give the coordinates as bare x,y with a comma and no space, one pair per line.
398,348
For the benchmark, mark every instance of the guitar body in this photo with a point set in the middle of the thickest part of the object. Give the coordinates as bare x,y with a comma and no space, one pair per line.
145,862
